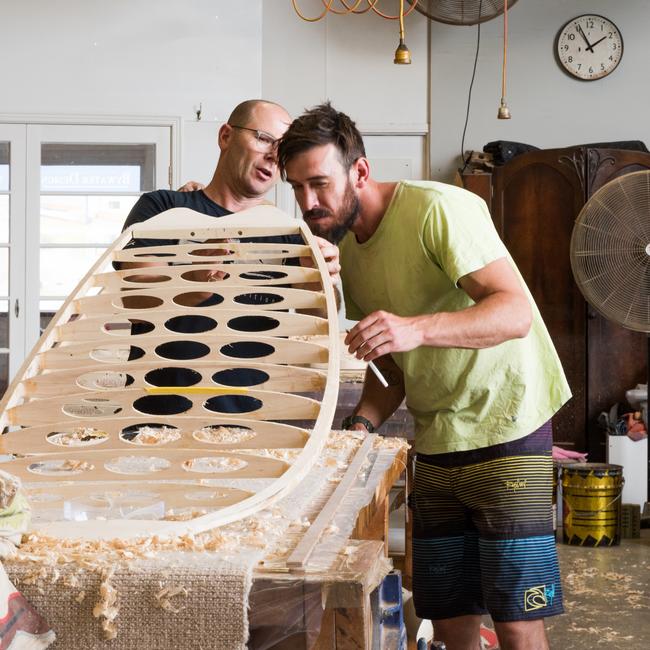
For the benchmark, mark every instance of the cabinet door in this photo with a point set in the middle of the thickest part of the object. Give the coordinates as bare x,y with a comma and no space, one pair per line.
616,357
536,199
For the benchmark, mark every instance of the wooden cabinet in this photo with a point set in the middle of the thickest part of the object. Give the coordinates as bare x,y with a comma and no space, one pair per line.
535,199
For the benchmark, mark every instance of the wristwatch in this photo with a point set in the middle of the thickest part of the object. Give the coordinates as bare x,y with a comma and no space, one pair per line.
357,419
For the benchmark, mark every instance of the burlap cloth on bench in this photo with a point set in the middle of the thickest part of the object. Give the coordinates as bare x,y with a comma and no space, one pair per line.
205,606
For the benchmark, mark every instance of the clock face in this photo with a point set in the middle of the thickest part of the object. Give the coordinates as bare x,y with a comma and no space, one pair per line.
589,47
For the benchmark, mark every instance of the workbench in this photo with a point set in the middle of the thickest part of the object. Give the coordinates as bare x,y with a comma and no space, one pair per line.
299,607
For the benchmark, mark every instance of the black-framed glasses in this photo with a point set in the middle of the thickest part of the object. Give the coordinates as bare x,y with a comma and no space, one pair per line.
264,141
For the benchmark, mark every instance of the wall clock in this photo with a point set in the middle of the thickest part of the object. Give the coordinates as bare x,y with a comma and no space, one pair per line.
589,47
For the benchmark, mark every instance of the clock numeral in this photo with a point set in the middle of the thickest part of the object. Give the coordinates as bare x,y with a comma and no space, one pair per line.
579,66
571,37
591,70
570,59
602,66
613,46
590,24
566,48
611,35
611,58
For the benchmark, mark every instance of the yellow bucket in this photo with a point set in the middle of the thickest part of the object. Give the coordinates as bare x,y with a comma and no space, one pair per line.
591,504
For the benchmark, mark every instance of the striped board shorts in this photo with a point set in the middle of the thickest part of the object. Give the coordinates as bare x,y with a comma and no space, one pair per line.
483,539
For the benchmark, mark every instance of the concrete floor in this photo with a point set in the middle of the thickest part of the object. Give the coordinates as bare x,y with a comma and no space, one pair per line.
606,597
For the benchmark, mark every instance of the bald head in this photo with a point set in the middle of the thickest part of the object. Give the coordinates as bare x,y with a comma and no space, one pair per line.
243,112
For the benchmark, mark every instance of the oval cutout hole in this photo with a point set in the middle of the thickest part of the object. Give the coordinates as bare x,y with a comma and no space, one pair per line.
162,404
224,434
253,323
106,380
190,324
60,468
240,377
154,255
233,404
136,464
79,437
262,275
198,299
146,278
116,353
214,464
258,299
182,350
247,350
138,302
205,275
130,326
150,434
91,408
211,252
173,377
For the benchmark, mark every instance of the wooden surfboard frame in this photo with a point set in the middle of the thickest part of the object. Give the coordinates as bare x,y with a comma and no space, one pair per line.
32,408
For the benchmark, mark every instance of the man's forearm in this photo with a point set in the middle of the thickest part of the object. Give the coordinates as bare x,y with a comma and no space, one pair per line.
497,318
377,403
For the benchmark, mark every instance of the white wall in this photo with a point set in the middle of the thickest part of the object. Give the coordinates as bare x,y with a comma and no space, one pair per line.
136,57
549,108
129,57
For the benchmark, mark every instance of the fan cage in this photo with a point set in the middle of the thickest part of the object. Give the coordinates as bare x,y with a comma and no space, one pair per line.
461,12
610,251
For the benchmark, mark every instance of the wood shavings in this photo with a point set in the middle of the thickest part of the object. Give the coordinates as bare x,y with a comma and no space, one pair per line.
107,608
382,442
79,437
222,435
214,464
286,455
165,596
274,531
58,467
9,486
185,514
155,435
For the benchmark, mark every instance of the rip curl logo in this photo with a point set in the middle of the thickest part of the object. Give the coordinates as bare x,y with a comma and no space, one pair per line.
535,598
517,484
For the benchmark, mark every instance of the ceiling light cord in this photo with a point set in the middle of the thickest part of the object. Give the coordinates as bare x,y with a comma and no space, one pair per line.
327,4
504,112
402,54
469,95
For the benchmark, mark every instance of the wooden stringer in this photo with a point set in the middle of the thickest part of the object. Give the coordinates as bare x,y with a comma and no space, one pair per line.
140,409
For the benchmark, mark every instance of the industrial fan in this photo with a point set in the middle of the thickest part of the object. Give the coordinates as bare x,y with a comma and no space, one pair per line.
461,12
610,252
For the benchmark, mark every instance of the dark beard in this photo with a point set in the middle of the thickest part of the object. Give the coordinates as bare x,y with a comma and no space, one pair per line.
347,216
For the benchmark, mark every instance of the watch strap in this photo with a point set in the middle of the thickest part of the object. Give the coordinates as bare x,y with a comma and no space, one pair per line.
357,419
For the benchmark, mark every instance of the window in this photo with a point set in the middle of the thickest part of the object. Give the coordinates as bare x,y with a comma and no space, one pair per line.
65,191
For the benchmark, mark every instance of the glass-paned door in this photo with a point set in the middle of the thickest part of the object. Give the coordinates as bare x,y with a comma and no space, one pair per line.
83,182
12,243
65,191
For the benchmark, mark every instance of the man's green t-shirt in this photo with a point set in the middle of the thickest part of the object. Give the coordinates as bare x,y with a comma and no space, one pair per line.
431,235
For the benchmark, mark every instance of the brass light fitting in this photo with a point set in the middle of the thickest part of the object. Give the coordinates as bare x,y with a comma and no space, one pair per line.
402,53
504,112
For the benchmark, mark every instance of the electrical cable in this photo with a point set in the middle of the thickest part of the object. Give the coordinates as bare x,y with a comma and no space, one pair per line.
469,96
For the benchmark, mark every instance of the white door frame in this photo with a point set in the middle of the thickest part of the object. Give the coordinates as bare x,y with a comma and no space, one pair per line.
15,134
37,128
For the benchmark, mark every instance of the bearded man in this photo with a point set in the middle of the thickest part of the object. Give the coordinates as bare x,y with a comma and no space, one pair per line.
445,314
